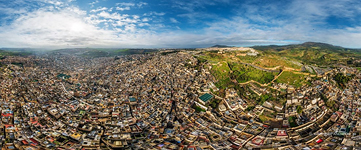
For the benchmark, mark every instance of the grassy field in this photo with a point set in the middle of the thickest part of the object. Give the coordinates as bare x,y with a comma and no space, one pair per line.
243,73
225,72
291,78
227,67
214,58
264,60
221,70
222,73
271,61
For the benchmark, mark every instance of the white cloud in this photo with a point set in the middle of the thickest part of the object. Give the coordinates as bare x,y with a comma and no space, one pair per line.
154,13
143,24
113,15
122,8
145,19
72,27
173,20
125,4
93,3
54,2
63,25
99,9
141,4
60,29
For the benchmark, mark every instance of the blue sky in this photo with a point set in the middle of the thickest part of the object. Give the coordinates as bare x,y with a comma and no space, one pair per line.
177,23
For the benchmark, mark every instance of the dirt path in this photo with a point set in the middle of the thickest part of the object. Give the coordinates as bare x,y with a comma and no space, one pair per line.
276,77
260,68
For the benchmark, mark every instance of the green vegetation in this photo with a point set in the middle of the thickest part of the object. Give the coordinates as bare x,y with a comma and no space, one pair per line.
200,59
299,109
63,76
312,53
169,52
342,80
198,109
227,71
291,78
4,53
18,64
96,53
332,105
222,46
292,121
221,71
264,98
232,68
245,91
323,97
248,59
243,73
263,118
224,83
274,60
212,58
214,103
249,108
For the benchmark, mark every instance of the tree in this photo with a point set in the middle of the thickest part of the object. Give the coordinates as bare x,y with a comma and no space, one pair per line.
249,108
299,109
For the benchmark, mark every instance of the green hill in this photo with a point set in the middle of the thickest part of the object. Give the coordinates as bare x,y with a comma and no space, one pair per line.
4,53
313,53
235,67
222,46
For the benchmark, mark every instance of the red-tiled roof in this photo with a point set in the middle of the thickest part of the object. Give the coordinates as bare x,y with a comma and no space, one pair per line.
281,133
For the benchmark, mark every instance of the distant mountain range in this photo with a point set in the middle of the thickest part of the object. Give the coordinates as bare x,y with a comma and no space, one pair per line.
309,51
303,45
222,46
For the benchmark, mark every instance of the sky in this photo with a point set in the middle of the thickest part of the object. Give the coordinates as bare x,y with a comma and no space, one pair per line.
177,23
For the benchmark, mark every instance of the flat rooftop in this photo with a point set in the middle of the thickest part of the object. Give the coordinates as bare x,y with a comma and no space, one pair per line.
206,97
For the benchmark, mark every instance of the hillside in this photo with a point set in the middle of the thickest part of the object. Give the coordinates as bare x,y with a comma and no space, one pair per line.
222,46
289,64
312,53
4,53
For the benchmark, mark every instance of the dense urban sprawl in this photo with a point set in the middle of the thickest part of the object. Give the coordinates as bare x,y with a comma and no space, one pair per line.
157,101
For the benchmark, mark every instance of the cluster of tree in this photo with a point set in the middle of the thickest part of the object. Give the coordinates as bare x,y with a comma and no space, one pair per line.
264,98
341,79
198,109
214,103
169,52
249,108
